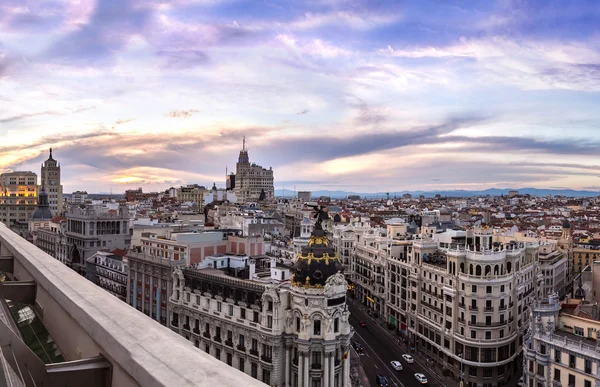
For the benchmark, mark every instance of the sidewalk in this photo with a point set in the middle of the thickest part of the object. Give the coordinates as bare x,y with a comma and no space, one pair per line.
434,369
358,375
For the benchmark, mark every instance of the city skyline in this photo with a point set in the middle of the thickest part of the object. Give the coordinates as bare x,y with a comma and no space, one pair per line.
338,95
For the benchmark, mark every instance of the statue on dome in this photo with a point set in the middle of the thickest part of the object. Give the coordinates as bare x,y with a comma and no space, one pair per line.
320,215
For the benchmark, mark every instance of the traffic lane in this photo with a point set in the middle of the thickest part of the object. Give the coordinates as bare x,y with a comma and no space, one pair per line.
380,357
387,350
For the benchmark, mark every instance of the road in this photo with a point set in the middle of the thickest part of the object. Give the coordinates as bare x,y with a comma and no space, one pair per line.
379,349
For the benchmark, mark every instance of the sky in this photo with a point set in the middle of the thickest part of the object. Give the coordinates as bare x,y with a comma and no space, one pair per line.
364,96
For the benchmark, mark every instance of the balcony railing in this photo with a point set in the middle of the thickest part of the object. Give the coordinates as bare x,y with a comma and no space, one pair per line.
88,323
266,359
254,352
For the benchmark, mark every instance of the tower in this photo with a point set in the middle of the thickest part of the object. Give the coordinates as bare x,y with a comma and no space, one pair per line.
251,179
51,183
319,315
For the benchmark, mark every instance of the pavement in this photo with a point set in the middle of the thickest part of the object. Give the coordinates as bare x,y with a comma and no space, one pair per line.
380,347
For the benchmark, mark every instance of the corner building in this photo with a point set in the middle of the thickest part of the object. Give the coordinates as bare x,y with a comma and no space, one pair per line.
467,299
251,179
292,333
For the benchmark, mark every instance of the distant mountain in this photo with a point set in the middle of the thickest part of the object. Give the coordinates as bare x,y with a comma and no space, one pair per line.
448,193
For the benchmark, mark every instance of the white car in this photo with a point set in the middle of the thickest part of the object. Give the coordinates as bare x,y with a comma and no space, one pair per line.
407,358
396,365
421,378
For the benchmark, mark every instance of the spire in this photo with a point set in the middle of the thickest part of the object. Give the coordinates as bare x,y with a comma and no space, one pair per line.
50,158
244,143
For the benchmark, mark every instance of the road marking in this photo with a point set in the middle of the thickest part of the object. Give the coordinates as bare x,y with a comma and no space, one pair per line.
377,356
367,355
376,366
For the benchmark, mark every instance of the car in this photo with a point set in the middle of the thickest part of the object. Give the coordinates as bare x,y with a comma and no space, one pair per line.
396,365
362,324
407,358
357,346
421,378
381,381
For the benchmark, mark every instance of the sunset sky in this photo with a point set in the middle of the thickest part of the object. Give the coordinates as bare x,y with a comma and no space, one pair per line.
366,95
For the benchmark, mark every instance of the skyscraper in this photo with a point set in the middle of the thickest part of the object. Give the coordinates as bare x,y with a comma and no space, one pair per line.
51,183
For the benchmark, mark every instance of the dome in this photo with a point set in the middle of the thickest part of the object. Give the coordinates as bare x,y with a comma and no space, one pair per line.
316,262
42,212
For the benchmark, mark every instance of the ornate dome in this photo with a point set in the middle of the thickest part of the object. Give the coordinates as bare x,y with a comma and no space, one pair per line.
316,262
42,212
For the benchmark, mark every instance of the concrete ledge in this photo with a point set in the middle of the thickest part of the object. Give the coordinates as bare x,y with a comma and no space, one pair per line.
149,354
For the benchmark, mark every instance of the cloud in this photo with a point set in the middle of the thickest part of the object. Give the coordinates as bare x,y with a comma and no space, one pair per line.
181,113
303,112
354,20
24,116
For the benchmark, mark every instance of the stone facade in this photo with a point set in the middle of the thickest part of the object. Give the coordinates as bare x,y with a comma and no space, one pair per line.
50,180
251,179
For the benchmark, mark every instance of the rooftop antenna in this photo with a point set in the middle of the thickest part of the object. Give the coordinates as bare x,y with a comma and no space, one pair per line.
244,143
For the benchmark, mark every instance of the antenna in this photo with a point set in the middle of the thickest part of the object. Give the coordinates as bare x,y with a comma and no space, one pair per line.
244,143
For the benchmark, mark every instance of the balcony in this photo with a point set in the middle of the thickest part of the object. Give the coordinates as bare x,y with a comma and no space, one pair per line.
502,307
472,307
266,359
229,343
217,339
102,339
196,330
206,334
254,352
316,366
186,327
488,309
241,348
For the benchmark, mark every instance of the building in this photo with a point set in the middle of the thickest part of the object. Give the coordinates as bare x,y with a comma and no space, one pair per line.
554,267
562,347
192,193
461,299
52,239
18,200
41,217
251,180
283,333
51,182
304,196
584,254
94,227
109,271
79,197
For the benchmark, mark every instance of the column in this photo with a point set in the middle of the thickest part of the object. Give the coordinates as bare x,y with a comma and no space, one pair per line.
346,371
326,370
287,364
300,369
332,370
306,368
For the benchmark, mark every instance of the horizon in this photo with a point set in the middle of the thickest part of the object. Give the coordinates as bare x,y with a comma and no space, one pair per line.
333,94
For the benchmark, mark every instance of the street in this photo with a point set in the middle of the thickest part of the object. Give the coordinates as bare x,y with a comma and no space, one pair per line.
380,348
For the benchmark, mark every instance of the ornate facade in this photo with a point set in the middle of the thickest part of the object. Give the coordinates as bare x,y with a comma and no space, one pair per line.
284,333
51,182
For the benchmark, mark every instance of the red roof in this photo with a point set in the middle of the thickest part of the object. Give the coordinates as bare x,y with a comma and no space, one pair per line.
58,219
119,252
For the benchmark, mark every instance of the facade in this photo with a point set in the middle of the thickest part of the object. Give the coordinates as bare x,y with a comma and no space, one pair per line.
149,284
193,193
252,179
79,197
304,196
18,199
281,332
41,217
466,299
52,239
562,346
554,268
109,271
584,255
92,228
51,182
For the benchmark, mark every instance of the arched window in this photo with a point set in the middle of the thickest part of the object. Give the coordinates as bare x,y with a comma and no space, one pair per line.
508,267
488,269
496,270
471,269
462,267
477,270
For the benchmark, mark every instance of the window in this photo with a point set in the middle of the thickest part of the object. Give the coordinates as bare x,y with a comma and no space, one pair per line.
488,289
557,355
488,335
298,324
218,306
254,345
473,288
266,377
253,370
501,288
242,313
317,327
572,361
336,325
218,353
473,334
229,359
578,331
587,383
556,374
588,366
571,380
230,310
540,370
241,342
487,372
241,365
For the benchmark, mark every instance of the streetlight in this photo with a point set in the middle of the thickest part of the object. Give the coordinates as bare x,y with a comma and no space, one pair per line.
462,374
